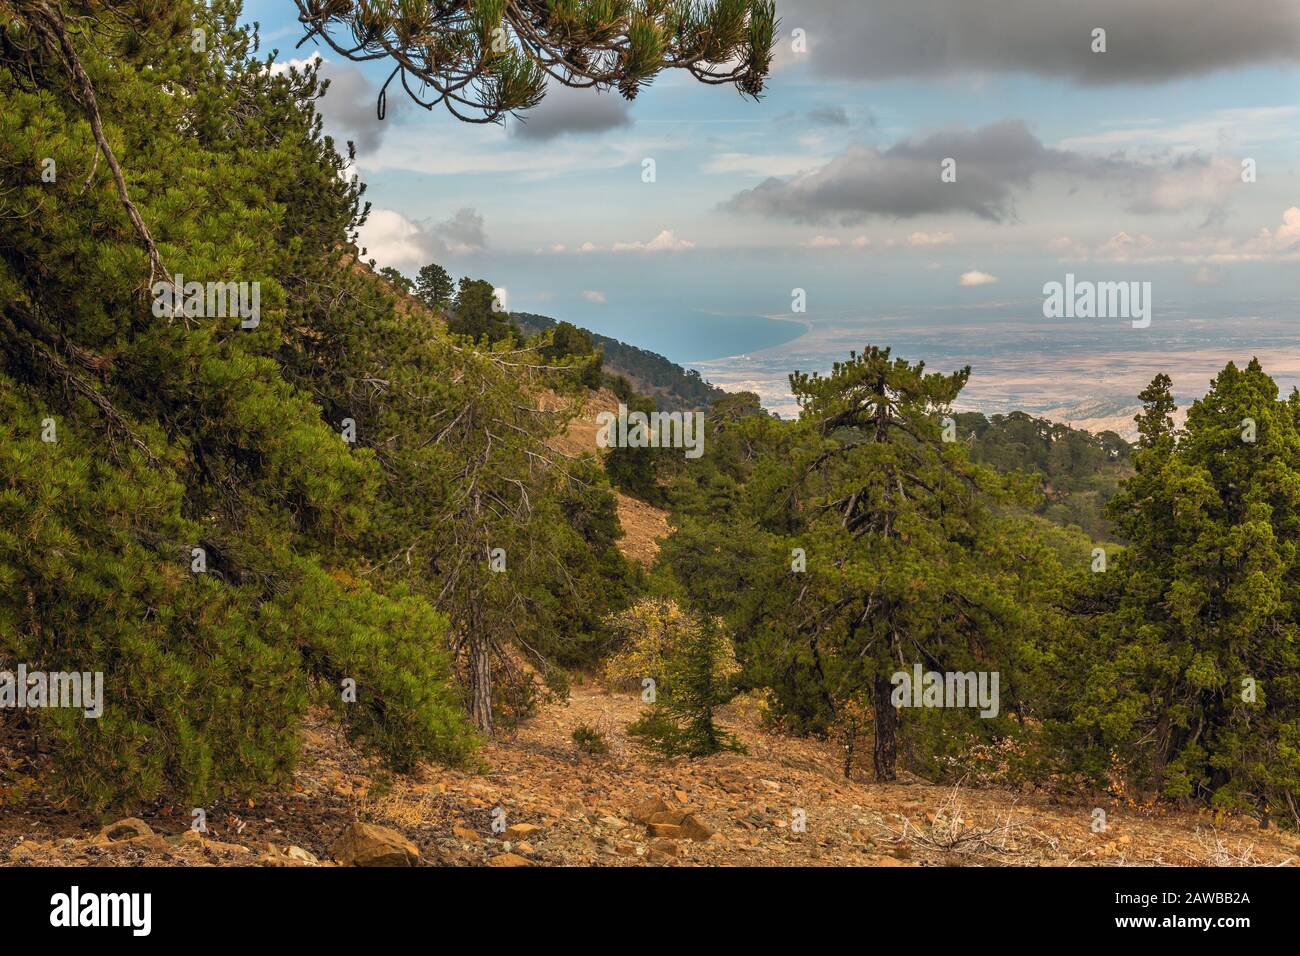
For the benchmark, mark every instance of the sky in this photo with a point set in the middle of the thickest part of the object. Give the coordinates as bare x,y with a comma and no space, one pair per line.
1128,164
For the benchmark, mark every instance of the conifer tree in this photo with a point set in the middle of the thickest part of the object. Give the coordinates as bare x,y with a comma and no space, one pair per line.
1194,674
905,560
188,523
483,59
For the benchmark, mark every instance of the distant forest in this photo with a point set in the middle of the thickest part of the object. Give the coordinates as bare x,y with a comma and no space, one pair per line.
672,387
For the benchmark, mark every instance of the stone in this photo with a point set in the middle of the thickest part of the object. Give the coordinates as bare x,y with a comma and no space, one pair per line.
520,830
131,828
298,853
367,844
668,831
509,860
692,829
643,812
464,833
675,817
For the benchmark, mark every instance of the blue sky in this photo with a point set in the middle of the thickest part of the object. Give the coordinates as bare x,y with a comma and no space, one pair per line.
1122,165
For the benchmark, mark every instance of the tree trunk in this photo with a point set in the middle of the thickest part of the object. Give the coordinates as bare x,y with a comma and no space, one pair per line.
886,749
480,682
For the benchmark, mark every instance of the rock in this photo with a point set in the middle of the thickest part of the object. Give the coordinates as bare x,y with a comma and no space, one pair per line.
132,828
681,796
298,853
692,829
366,844
469,836
675,817
25,850
614,822
658,856
509,859
668,831
643,812
520,830
889,861
664,846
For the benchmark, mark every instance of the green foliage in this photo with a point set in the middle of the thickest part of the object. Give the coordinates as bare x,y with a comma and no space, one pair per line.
631,370
640,472
691,662
590,741
182,433
485,58
1079,472
397,280
433,286
476,312
1188,670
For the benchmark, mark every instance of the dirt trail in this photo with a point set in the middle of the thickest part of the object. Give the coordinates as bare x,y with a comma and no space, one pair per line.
561,807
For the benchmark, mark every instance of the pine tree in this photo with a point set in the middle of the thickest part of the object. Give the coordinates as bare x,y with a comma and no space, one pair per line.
189,526
1195,673
483,59
691,662
433,286
905,561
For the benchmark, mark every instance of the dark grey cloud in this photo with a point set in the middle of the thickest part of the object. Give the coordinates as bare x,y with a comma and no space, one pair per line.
993,164
463,231
565,110
349,106
829,116
1146,40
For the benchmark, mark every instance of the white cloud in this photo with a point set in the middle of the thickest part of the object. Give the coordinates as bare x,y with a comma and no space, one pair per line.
749,164
975,277
664,242
596,297
922,239
393,240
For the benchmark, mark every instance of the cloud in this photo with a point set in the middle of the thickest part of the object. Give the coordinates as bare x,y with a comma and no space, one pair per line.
664,242
595,297
1147,41
923,239
829,116
1208,275
349,103
903,180
992,164
463,232
772,164
1281,244
393,240
975,278
565,111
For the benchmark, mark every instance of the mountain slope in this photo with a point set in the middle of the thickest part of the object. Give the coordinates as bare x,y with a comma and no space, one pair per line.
672,387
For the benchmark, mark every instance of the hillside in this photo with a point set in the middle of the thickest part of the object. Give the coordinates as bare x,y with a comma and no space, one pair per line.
564,808
643,524
673,388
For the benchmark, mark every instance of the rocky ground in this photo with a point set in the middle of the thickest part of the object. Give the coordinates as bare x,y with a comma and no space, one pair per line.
539,801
